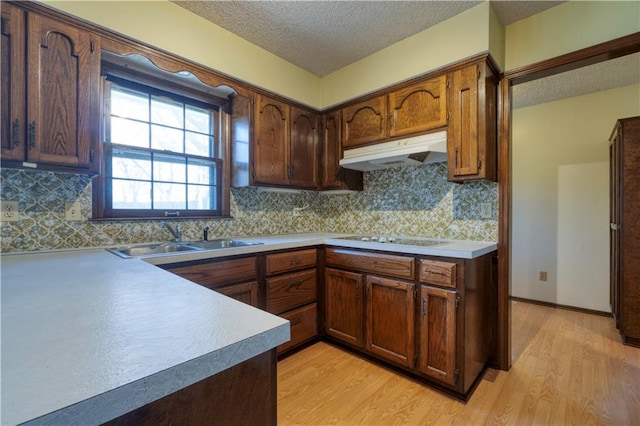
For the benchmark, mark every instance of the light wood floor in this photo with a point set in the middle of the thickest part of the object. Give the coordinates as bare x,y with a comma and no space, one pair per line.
570,368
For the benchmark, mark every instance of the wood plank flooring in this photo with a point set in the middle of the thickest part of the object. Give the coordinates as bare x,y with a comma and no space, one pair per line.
569,368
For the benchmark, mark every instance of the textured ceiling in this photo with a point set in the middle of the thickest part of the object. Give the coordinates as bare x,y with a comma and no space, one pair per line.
606,75
324,36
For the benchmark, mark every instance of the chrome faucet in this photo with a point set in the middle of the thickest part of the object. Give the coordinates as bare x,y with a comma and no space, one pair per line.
176,232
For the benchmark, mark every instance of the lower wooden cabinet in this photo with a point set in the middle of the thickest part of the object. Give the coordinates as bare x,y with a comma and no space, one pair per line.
292,293
245,292
438,333
435,322
344,306
390,319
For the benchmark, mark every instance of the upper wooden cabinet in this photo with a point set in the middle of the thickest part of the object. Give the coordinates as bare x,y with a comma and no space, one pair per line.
364,122
334,176
51,71
412,109
471,136
285,145
418,108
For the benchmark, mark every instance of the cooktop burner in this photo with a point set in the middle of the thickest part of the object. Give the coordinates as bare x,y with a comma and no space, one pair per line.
424,242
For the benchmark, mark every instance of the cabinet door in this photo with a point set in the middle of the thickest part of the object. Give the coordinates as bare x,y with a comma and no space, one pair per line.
364,122
418,108
12,86
303,168
271,142
245,292
344,306
462,135
333,176
63,74
438,334
390,319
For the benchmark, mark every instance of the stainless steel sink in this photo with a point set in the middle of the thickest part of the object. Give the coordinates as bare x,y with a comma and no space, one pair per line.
174,247
144,250
220,244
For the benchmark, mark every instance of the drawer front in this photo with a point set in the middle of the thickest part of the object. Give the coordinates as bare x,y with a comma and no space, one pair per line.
291,290
304,326
383,264
290,261
438,273
215,274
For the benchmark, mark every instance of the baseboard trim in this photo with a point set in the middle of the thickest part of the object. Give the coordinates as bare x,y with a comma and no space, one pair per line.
569,308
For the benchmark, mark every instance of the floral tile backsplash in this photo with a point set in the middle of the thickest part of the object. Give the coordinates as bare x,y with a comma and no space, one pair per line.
407,201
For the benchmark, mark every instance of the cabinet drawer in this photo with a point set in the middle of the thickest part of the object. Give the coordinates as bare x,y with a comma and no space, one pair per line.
291,290
438,273
290,261
384,264
304,326
214,274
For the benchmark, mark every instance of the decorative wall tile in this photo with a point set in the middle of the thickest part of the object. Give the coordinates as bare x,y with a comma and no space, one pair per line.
408,201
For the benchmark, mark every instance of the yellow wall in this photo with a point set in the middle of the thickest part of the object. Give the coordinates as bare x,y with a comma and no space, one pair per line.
568,27
461,36
560,217
163,24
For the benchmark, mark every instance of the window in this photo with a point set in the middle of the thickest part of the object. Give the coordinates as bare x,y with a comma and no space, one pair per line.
162,153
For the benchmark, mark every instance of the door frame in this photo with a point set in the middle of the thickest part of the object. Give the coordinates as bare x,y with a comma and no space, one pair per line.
588,56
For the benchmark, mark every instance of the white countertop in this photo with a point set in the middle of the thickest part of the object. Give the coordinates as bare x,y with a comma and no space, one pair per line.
448,248
88,336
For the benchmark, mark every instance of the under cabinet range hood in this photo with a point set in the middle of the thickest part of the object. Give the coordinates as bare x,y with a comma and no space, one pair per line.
414,151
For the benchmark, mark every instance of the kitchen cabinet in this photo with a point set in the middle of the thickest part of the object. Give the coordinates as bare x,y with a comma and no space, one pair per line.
471,135
625,228
50,93
334,176
430,315
418,108
364,122
367,311
291,281
234,277
285,148
408,110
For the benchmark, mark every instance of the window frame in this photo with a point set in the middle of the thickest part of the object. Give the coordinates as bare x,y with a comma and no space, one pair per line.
154,85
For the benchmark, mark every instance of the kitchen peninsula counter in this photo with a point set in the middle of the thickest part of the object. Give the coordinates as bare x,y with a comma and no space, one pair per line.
88,336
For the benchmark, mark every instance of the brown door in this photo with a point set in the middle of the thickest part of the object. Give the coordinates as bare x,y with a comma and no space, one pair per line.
63,67
13,83
364,122
438,333
245,292
344,306
462,134
614,217
419,107
390,319
271,137
303,170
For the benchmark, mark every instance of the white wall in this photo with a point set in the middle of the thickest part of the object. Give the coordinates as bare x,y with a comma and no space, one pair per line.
560,197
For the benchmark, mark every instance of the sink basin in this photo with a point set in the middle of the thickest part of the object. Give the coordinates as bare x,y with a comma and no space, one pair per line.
220,244
152,249
174,247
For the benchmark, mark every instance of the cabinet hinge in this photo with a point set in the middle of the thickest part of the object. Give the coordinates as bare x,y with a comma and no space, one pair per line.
479,164
456,375
448,81
457,301
92,46
92,155
479,74
448,115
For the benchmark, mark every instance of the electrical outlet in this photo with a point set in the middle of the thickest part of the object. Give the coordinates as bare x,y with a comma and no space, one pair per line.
72,211
485,210
10,212
542,275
